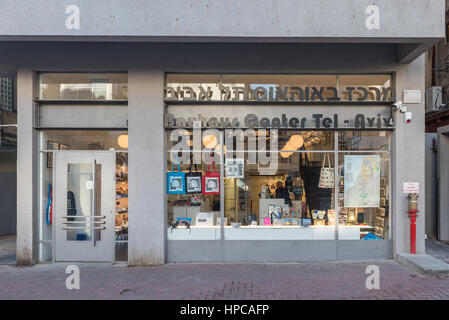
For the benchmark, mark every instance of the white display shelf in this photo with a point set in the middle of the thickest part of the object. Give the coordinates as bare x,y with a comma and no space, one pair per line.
265,233
194,233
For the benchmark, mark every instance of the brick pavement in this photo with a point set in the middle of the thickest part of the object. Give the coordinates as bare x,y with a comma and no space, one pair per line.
326,280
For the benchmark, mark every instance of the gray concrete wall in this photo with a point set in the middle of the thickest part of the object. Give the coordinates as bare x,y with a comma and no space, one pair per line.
408,164
26,169
147,167
8,202
315,20
431,195
269,251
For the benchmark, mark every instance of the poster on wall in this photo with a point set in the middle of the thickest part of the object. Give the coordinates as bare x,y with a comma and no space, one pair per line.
235,168
362,181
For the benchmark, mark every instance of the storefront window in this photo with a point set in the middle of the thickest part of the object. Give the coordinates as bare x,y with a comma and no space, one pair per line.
83,86
278,184
288,173
94,140
193,186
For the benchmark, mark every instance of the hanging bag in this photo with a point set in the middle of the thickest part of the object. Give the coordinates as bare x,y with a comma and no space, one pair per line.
326,174
211,180
194,180
176,180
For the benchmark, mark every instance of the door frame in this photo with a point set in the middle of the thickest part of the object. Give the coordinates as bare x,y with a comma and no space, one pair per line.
112,154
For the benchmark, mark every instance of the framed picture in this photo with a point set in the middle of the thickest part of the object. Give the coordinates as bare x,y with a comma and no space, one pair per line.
285,212
175,184
278,211
51,145
271,210
193,184
212,184
235,168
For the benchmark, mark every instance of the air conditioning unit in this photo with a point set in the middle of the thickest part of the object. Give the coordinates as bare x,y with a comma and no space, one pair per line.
434,98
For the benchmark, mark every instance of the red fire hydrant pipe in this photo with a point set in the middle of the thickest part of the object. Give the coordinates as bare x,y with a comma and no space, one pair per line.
413,214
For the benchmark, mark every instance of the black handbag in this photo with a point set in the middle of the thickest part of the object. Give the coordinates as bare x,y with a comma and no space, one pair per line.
193,180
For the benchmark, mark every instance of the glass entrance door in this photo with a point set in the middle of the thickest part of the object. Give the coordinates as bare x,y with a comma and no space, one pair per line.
84,204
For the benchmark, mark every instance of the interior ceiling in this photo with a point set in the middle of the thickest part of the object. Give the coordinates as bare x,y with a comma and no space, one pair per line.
57,78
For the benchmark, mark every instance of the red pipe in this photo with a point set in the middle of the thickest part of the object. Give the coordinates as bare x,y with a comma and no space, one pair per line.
413,214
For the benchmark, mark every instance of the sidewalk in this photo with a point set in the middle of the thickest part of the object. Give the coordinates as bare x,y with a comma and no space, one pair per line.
330,280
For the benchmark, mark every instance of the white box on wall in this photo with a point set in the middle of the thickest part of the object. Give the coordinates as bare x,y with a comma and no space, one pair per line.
412,96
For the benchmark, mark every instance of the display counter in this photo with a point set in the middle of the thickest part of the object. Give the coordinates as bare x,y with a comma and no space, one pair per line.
265,233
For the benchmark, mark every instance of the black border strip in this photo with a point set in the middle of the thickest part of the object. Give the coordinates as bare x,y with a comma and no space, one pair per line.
82,102
283,103
292,129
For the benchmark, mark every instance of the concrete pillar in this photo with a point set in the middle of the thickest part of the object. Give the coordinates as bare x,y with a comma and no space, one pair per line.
146,162
408,161
27,239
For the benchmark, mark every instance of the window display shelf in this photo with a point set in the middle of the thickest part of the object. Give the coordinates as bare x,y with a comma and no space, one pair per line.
265,233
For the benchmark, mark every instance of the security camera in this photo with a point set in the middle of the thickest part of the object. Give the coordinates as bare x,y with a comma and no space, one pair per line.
398,105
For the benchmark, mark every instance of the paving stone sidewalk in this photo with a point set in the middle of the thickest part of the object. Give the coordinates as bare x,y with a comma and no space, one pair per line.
329,280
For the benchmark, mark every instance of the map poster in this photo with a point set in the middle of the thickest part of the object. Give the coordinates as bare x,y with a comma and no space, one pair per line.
362,181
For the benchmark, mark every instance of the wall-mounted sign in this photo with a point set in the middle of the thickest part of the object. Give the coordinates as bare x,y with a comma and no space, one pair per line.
410,187
272,93
251,120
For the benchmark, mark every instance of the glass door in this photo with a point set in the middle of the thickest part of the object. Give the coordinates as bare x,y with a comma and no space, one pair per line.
84,206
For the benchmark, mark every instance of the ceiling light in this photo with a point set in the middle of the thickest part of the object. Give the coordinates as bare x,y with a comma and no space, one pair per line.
123,141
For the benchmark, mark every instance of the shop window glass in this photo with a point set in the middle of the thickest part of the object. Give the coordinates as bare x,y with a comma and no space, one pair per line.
121,206
83,86
372,87
85,140
264,87
363,140
272,192
292,141
282,202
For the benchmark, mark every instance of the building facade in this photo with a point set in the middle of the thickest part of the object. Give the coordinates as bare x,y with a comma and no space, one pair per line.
257,132
437,138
